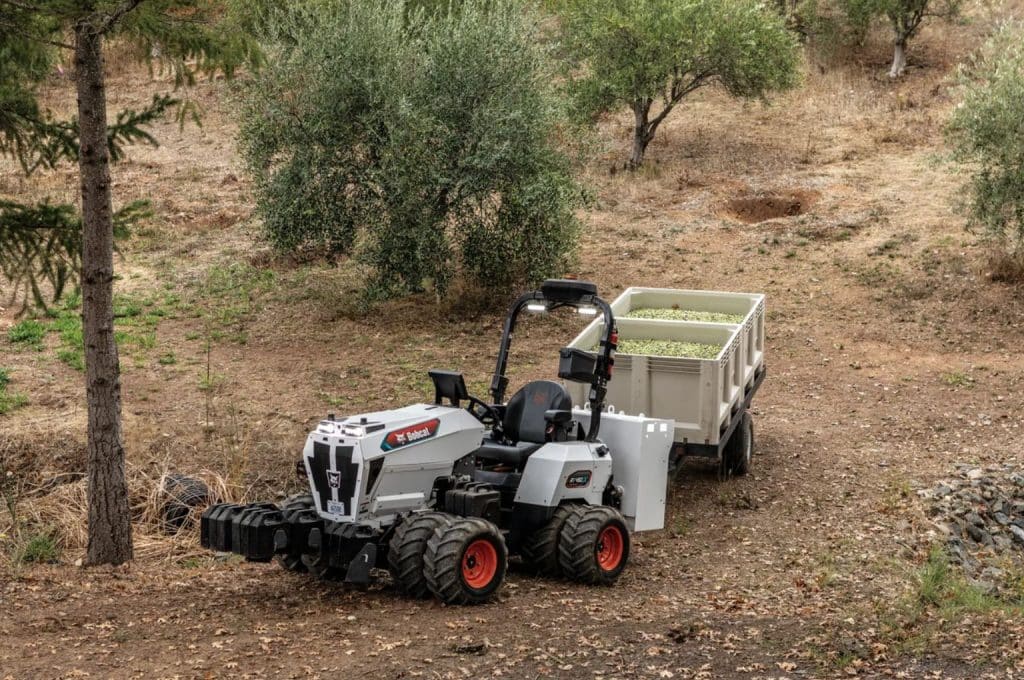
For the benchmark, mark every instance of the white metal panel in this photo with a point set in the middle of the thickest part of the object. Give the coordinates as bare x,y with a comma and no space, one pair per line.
639,448
398,502
546,476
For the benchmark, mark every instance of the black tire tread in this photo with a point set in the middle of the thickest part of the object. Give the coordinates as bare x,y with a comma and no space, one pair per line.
737,462
443,560
407,548
576,549
540,549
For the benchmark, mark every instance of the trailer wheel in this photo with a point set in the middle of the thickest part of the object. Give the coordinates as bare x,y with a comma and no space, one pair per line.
740,448
406,549
294,504
540,549
594,546
466,561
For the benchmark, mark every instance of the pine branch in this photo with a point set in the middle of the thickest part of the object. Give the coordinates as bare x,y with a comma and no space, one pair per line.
111,20
40,247
128,129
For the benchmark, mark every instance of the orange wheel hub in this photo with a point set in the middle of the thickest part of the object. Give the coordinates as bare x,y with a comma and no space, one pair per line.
610,548
479,564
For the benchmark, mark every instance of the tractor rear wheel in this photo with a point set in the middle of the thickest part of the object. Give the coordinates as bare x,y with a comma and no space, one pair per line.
594,546
540,549
466,561
406,549
294,504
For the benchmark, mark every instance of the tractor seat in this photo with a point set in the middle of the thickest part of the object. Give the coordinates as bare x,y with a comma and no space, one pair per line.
524,423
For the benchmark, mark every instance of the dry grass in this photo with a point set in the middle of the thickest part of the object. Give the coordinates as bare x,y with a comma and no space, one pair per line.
62,512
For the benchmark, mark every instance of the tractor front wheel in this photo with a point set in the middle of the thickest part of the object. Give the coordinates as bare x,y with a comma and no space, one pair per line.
465,561
594,546
406,551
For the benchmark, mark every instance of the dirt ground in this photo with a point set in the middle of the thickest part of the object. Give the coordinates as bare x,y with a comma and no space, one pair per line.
891,356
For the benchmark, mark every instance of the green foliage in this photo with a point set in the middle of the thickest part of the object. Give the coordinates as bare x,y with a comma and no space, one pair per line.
27,331
940,585
38,548
905,18
39,245
135,323
9,402
423,143
986,132
636,52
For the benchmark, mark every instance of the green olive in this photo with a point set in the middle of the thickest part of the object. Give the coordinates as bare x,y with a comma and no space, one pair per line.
669,348
684,315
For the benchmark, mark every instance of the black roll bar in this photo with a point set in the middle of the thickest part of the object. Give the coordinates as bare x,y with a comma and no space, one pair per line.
554,297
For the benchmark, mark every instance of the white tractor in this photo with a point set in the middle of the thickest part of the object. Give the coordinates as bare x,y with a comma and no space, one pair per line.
442,494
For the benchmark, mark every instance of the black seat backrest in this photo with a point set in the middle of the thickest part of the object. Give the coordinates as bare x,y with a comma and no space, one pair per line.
524,413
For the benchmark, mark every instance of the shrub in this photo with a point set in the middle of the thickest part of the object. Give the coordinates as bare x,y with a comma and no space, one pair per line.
38,548
986,132
421,142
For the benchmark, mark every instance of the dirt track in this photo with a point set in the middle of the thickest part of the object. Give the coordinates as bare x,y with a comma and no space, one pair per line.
890,356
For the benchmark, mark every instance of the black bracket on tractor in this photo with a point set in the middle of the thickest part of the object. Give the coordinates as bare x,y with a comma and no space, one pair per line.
574,364
360,566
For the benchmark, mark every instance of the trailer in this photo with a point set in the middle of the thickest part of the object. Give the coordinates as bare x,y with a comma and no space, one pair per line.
707,398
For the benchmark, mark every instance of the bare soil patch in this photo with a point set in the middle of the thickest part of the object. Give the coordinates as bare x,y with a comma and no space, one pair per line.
769,206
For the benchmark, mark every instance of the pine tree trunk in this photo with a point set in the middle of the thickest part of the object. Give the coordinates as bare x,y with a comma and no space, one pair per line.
899,58
110,538
640,134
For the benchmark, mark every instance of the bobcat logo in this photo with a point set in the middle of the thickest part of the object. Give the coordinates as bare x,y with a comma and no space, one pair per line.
540,398
334,479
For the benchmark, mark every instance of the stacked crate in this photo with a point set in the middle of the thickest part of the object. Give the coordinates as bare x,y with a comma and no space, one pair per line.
701,395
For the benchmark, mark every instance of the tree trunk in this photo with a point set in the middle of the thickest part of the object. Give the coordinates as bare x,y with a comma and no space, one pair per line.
110,537
641,135
899,58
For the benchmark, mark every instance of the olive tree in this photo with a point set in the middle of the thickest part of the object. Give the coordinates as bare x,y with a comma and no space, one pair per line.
640,53
986,132
905,18
423,143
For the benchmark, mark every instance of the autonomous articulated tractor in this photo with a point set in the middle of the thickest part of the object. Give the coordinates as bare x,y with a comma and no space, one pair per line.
441,494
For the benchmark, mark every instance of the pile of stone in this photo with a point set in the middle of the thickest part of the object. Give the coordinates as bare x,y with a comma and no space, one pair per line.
981,513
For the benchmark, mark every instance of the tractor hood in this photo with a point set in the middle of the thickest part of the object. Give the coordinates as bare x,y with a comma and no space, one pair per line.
375,465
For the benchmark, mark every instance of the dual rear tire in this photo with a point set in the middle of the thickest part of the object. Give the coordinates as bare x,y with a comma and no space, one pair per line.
585,543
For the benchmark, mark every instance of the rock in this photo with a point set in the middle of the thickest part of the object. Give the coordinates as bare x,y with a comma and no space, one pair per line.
975,519
1018,533
941,491
1001,518
975,473
977,534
